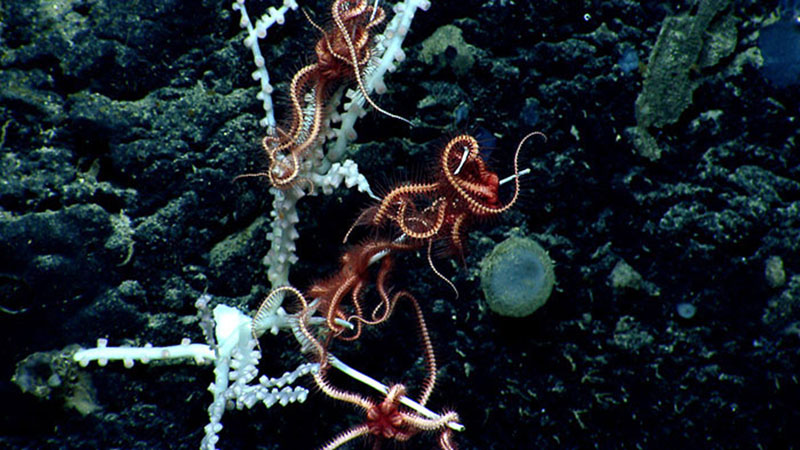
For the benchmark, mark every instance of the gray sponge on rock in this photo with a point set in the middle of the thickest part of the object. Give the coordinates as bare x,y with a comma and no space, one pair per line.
517,277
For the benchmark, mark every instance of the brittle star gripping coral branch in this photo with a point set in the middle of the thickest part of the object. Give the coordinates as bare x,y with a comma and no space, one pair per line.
385,420
461,190
343,53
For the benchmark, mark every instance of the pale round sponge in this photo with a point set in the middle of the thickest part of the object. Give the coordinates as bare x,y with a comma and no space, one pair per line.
517,277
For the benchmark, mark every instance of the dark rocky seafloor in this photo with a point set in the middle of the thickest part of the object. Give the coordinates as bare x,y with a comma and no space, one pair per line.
667,193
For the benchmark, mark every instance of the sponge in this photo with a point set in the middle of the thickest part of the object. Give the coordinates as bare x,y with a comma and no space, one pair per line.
780,47
517,277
